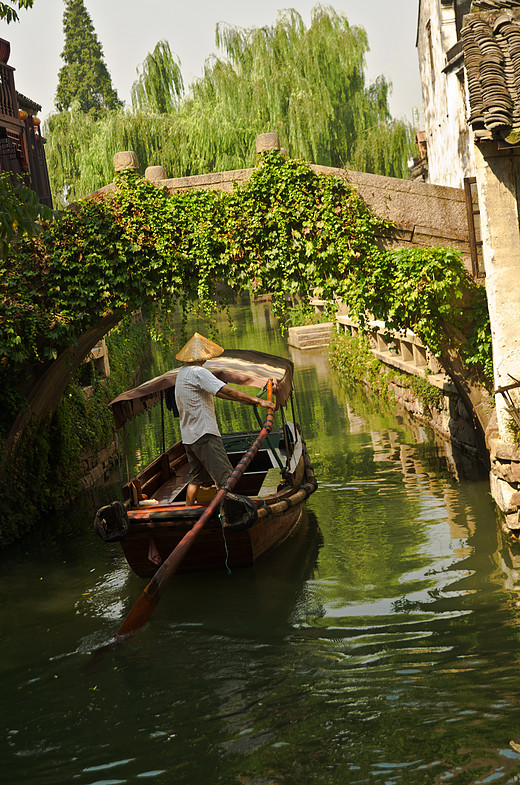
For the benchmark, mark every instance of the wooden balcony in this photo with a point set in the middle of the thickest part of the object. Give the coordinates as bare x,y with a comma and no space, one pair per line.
21,144
9,115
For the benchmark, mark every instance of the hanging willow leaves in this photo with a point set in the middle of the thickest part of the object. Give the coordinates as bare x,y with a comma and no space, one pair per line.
159,85
8,10
306,83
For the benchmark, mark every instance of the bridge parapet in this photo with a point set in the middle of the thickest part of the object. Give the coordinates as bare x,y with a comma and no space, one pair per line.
423,215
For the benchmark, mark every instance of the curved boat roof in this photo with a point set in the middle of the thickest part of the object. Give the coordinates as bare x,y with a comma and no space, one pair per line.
236,366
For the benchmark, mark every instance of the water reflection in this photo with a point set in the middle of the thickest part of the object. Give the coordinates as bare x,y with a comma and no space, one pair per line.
379,645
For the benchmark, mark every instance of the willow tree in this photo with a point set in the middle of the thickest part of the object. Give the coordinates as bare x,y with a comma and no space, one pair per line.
80,147
159,84
306,83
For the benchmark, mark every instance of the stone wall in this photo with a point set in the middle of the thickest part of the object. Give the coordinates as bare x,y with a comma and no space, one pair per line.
407,354
424,214
97,467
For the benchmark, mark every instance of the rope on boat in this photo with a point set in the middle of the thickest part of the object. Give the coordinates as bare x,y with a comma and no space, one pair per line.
267,438
226,560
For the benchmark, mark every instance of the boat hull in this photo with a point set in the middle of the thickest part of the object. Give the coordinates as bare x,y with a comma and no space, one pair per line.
147,545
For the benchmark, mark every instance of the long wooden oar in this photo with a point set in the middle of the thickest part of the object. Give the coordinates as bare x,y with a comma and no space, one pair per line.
143,608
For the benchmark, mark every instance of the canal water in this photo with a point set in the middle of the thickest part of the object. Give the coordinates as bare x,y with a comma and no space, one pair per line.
380,644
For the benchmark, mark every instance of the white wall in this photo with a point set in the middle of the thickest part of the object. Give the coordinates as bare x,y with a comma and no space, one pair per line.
450,143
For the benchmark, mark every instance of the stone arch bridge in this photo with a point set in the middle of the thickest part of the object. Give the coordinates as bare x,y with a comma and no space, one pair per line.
423,215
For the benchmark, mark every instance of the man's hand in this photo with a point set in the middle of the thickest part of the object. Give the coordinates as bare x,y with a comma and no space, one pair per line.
266,404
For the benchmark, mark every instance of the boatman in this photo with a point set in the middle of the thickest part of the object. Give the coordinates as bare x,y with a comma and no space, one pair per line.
195,388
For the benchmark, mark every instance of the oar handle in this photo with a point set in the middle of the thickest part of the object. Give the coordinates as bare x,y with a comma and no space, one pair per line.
143,608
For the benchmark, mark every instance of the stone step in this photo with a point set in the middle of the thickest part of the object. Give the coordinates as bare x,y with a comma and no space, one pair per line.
312,336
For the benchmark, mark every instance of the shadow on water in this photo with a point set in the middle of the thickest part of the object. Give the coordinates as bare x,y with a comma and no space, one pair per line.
255,601
261,598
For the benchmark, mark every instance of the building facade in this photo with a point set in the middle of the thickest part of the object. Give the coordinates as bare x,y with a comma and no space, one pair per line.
447,140
22,149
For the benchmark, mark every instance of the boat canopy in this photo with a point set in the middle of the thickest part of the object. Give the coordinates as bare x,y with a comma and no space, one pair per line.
236,366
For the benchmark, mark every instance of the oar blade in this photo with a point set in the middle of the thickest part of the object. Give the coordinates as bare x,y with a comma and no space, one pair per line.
139,615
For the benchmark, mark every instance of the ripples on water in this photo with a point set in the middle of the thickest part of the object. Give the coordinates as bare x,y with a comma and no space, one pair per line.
379,645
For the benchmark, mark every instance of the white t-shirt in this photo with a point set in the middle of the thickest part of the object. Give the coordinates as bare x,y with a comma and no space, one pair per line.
194,390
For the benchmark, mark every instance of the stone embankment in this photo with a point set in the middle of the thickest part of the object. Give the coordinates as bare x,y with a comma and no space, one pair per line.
407,354
450,418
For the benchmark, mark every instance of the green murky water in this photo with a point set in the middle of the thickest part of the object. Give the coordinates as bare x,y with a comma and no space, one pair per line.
380,644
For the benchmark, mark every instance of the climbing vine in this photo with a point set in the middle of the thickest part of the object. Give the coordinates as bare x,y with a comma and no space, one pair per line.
47,465
20,210
287,231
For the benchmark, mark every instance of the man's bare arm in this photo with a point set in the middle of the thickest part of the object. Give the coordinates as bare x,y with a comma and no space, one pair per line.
230,394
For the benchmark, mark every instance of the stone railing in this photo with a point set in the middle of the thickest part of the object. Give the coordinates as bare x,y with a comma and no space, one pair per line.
404,351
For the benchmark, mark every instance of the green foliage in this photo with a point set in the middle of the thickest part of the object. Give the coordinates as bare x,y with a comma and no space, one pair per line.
408,289
302,314
307,84
84,78
427,290
430,396
48,464
20,211
353,362
80,148
286,231
159,84
291,230
478,351
8,10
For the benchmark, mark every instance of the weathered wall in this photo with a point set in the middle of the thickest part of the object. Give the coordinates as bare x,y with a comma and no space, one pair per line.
498,173
47,385
449,139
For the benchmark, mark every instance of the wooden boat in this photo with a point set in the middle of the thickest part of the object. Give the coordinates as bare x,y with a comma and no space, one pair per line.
250,522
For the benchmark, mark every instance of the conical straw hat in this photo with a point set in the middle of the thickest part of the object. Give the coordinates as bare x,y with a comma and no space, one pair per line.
198,348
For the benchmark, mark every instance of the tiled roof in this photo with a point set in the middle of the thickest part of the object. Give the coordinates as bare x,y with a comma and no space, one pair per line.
27,103
491,41
494,5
